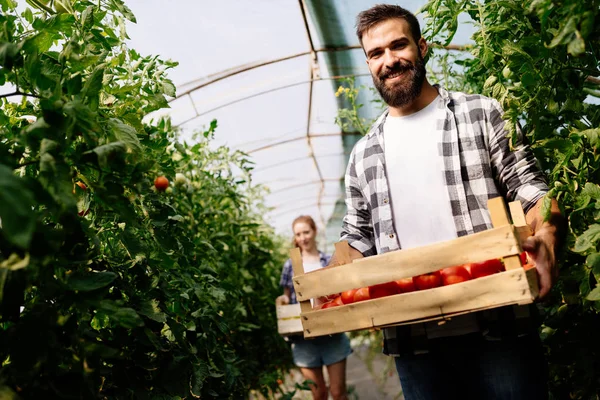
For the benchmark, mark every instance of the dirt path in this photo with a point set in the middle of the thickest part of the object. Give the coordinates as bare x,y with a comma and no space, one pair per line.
369,377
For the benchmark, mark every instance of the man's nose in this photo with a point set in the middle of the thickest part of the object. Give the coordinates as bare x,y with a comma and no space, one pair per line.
389,58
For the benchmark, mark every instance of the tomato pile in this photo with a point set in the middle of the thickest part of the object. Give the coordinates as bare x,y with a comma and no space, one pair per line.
444,277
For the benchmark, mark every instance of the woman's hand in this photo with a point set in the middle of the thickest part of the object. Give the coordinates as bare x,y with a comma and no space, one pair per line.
282,300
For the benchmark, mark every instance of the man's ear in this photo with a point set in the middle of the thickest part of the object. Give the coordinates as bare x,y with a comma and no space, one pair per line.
423,47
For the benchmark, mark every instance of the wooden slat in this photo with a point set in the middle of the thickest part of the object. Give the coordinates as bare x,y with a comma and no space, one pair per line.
523,232
298,268
509,287
517,213
500,218
493,243
288,311
288,319
534,286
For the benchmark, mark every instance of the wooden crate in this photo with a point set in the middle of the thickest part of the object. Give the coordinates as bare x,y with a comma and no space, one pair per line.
288,319
513,286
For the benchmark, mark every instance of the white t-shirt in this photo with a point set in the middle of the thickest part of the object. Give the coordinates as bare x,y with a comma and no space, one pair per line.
309,267
419,197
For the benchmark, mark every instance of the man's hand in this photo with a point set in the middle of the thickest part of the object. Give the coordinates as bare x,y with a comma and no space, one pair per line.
543,245
354,254
282,300
540,249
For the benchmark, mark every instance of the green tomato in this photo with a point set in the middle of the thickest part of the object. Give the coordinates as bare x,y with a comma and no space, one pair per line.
180,179
506,72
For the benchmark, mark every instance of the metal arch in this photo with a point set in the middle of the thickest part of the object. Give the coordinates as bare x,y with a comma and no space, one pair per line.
314,74
210,79
239,100
296,139
314,182
301,208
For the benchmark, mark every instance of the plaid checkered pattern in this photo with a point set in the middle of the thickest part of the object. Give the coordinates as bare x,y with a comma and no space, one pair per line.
288,273
478,165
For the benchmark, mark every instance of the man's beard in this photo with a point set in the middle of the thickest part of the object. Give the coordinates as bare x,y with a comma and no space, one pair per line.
407,89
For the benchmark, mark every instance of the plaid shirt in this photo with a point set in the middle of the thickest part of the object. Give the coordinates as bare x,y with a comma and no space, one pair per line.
478,165
288,273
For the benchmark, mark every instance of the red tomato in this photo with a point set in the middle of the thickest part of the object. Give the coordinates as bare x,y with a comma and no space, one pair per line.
452,275
485,268
81,185
405,285
161,183
348,296
523,257
428,281
382,290
361,294
528,266
338,301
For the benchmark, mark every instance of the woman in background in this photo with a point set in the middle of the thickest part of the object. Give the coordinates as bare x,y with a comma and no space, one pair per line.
310,355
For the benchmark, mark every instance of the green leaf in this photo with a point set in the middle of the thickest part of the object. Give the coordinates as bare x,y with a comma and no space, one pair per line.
546,208
588,239
489,82
592,190
593,262
127,318
150,309
17,218
93,85
126,134
169,89
87,281
565,33
9,54
106,151
594,294
576,47
198,377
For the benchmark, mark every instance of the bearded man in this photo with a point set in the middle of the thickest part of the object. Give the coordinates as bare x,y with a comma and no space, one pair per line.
424,174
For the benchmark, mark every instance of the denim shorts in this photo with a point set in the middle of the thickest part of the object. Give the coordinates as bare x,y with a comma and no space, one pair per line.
322,350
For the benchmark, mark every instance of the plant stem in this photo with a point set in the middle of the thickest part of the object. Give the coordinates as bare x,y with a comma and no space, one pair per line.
18,93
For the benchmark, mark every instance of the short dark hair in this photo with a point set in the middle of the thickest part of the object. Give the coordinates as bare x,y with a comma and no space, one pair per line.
382,12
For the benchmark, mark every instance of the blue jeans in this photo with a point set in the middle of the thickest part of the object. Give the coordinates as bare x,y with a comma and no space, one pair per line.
471,367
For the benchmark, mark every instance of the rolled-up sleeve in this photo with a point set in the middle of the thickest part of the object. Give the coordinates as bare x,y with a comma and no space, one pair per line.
357,227
516,169
286,275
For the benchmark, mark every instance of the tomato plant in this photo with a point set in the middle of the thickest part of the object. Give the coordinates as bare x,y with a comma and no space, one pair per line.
143,294
539,59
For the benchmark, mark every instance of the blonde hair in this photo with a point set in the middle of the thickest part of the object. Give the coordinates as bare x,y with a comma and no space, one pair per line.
307,219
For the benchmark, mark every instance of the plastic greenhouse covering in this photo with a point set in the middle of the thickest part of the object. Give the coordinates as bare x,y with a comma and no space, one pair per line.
267,71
